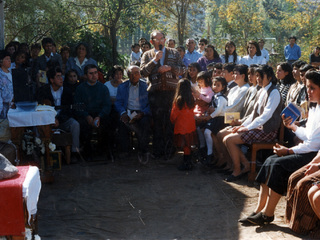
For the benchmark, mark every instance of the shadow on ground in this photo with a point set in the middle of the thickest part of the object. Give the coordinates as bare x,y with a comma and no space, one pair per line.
126,200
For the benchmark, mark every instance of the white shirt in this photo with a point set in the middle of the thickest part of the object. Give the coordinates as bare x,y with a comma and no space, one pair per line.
221,103
236,98
112,90
265,54
247,60
78,62
230,59
310,134
272,104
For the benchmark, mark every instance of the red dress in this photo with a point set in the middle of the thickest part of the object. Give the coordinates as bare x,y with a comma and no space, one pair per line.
185,134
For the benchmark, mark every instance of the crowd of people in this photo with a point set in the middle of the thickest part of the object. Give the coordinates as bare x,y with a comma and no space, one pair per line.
198,100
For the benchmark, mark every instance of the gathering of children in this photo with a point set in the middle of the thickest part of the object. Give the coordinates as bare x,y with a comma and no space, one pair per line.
214,108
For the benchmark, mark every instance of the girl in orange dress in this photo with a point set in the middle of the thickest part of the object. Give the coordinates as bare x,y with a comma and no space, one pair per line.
182,117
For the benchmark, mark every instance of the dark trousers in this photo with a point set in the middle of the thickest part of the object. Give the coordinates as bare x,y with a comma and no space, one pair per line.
161,104
142,130
103,132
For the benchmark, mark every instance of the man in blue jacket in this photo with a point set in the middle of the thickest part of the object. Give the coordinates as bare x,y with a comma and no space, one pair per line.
133,107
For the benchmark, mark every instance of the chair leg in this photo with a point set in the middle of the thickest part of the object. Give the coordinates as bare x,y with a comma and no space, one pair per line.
67,152
252,175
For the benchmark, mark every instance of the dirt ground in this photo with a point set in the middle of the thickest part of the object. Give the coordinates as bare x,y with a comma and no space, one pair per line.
126,200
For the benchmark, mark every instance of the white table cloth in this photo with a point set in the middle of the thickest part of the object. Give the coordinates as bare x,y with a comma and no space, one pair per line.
19,118
31,189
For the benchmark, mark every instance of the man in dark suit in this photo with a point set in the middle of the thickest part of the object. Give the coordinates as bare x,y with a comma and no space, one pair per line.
41,63
162,66
133,107
55,94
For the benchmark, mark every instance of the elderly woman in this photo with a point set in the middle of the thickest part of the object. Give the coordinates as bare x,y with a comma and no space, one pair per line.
81,59
210,56
6,94
254,55
276,170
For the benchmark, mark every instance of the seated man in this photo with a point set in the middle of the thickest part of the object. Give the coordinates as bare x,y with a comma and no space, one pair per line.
55,94
133,106
97,106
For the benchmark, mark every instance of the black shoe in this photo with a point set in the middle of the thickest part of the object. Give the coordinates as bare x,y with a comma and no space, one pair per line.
260,219
143,157
232,178
186,165
245,219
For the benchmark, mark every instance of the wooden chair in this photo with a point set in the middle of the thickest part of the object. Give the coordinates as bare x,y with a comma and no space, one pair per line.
64,139
255,147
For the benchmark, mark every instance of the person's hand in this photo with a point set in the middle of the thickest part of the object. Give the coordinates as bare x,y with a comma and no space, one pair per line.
235,123
137,117
158,56
210,110
287,123
312,168
96,122
124,118
280,150
164,68
196,94
240,129
89,120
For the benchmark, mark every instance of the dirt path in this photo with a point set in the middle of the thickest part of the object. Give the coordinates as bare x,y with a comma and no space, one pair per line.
125,200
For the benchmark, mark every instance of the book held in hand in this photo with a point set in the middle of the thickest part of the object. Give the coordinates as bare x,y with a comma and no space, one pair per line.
231,116
291,111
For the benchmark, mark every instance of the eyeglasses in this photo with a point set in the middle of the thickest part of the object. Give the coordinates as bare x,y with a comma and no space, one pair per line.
157,40
201,44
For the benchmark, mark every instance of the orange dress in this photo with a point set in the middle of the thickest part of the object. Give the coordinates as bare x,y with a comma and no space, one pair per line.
184,126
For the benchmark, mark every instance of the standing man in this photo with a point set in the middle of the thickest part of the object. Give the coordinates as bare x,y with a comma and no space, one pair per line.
97,106
132,104
264,52
191,55
40,65
292,51
60,97
162,66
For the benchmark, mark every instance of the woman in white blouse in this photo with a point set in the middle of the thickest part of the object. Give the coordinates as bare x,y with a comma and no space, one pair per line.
230,55
275,171
254,55
261,125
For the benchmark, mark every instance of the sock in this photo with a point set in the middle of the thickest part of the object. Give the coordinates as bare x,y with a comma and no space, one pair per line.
209,142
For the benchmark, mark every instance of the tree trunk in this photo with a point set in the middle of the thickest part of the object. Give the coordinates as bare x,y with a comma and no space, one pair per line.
113,34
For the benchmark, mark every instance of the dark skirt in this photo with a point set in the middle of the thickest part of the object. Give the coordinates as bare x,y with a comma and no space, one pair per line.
215,124
299,213
185,140
276,170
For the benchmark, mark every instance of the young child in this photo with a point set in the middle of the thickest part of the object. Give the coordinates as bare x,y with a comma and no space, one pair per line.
71,80
135,54
182,117
204,95
193,70
203,98
215,118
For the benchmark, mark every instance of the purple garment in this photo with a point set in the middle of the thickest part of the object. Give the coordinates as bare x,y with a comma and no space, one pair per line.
203,61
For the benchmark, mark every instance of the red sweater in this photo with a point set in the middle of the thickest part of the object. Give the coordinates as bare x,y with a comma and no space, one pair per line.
183,120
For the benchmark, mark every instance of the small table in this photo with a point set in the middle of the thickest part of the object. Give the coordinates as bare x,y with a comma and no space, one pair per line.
20,194
18,120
